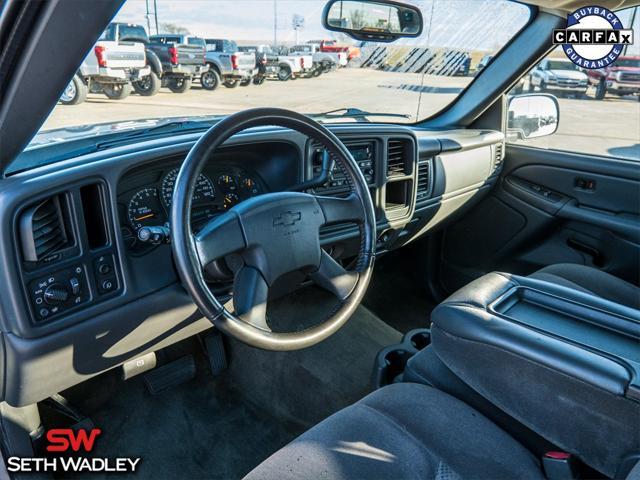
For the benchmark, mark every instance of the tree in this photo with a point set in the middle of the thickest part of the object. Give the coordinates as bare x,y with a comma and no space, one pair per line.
173,28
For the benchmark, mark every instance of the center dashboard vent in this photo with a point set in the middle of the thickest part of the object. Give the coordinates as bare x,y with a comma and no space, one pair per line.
43,229
397,158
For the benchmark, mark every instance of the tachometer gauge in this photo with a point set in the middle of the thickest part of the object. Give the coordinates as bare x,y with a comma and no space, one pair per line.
227,183
204,189
230,200
249,187
144,209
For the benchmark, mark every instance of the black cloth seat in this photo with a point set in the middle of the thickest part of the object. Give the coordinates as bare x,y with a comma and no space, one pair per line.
591,280
401,431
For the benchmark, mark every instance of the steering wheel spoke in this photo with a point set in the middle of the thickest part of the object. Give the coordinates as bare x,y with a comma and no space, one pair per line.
250,293
339,210
334,278
220,237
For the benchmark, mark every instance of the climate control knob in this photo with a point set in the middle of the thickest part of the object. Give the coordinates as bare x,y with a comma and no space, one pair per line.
56,293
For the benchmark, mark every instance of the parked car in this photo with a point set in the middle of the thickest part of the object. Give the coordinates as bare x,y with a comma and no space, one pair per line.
108,68
227,64
146,85
620,78
558,74
322,61
333,46
260,61
272,64
182,58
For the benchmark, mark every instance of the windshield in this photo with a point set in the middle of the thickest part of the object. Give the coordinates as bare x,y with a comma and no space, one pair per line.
401,82
561,65
132,33
628,62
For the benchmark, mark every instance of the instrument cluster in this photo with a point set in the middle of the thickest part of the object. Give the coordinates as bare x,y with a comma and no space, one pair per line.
216,191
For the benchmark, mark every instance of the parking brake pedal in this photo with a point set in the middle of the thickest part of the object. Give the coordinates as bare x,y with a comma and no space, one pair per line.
215,352
170,375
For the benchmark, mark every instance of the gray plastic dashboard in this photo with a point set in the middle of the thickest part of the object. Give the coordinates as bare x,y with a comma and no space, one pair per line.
443,174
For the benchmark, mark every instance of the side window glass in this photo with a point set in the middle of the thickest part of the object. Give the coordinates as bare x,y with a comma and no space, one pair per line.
599,110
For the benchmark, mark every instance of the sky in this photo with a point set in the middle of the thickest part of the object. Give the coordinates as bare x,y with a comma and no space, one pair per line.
465,24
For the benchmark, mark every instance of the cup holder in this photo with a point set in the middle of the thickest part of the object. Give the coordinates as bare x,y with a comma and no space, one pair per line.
419,338
391,361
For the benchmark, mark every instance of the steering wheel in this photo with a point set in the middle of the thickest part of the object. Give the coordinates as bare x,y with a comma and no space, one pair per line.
273,234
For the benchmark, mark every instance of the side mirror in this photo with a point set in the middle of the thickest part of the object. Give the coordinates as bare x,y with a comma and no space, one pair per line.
532,116
373,20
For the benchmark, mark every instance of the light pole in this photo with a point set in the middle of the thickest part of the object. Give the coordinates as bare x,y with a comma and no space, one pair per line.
155,14
275,23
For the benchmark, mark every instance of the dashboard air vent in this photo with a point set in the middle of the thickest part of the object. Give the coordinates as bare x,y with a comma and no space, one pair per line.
497,158
424,181
397,158
42,229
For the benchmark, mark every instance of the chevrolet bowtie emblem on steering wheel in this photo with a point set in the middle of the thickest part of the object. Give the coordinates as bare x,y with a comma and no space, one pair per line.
286,219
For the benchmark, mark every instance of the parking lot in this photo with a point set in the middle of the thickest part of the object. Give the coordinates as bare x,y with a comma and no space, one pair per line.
606,127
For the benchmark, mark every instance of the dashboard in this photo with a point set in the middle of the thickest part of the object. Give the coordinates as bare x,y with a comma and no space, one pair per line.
84,293
232,175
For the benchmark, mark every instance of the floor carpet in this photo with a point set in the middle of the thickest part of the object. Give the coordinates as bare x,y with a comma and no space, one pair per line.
396,293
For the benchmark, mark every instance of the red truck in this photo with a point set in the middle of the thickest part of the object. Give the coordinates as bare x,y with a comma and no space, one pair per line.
620,78
334,47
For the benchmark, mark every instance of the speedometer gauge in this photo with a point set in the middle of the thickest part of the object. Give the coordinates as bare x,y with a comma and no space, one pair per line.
144,209
204,189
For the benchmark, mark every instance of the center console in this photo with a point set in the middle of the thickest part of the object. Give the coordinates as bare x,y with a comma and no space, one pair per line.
564,363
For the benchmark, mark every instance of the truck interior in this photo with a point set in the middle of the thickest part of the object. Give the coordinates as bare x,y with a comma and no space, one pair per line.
449,305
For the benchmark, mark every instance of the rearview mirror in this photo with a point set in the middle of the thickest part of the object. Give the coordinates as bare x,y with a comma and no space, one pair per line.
532,116
378,21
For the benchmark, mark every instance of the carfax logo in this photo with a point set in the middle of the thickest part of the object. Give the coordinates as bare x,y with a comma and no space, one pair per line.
594,37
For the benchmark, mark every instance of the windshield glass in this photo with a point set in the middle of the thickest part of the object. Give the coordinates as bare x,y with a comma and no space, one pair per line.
275,53
561,65
628,62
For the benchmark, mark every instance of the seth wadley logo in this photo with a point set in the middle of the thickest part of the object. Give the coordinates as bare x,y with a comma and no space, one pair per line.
594,37
63,440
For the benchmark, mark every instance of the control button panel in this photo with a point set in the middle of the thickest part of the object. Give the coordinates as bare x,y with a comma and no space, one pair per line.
105,274
363,154
59,291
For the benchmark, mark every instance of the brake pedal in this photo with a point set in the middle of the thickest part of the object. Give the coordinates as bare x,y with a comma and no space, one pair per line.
216,353
170,375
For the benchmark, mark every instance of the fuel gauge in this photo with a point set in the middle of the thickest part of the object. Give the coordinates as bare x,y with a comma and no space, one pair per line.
230,200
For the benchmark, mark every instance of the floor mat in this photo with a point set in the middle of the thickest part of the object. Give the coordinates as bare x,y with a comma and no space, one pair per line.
306,386
396,295
201,429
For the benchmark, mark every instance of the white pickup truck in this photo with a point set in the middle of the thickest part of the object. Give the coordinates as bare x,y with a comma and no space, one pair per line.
109,67
272,64
322,61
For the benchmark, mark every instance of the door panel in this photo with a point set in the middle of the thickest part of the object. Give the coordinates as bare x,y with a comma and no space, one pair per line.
549,207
